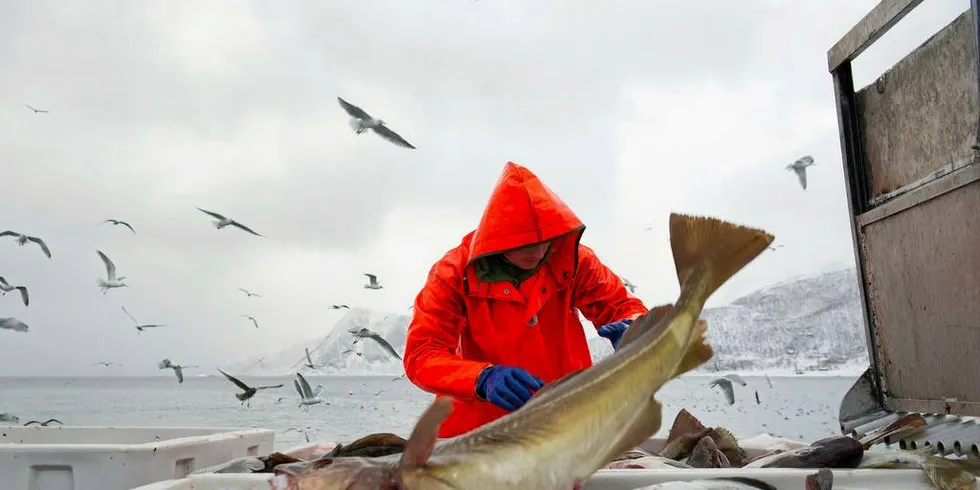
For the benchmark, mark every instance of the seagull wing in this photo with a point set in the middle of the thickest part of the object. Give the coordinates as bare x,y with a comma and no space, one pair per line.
384,343
235,380
305,385
269,387
308,356
127,225
726,386
298,389
129,315
243,227
4,281
44,246
736,379
110,268
179,371
801,174
9,233
806,160
23,294
392,136
352,110
212,213
13,324
152,326
46,422
372,278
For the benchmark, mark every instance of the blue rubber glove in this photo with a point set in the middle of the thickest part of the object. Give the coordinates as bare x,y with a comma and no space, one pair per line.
507,387
614,331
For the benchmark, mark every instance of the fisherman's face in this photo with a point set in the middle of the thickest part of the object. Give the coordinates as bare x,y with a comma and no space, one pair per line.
529,256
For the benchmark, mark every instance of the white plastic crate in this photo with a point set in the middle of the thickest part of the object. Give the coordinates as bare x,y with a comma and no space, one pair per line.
117,458
625,479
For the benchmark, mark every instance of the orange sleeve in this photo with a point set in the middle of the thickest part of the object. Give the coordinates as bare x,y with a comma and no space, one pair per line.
600,294
431,361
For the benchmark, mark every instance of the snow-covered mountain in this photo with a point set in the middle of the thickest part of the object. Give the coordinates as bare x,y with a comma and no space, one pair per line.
804,324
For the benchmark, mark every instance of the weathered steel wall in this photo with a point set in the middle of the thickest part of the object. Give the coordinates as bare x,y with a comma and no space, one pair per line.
922,114
923,277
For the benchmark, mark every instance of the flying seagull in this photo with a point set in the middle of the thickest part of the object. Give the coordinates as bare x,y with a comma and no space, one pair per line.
106,363
372,281
13,324
725,383
178,369
774,247
250,294
139,328
629,285
45,423
223,222
6,288
307,396
799,167
337,307
248,392
361,121
367,333
348,351
250,317
111,281
23,239
36,111
117,223
309,362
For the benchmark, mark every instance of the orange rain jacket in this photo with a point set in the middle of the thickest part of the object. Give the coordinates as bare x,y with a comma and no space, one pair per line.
462,325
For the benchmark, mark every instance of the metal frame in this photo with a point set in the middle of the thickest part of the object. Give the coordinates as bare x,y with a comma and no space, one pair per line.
869,29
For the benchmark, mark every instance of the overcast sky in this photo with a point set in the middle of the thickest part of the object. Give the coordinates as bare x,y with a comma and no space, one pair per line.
629,110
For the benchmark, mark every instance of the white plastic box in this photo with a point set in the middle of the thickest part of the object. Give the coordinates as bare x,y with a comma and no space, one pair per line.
117,458
624,479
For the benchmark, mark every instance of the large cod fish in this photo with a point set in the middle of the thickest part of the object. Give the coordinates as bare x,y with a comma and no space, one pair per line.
577,424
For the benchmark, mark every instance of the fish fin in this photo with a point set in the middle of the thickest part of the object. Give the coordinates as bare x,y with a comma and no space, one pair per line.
647,423
712,248
656,314
905,425
422,442
946,474
684,423
549,386
823,479
698,353
728,445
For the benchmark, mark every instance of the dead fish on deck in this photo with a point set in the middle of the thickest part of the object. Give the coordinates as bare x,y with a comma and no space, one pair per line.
836,451
371,446
944,473
721,483
561,437
250,464
687,432
646,463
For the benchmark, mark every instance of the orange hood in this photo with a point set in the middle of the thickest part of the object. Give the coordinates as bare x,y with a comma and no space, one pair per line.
521,211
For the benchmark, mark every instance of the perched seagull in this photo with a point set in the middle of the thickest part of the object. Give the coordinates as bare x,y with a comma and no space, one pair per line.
799,167
367,333
45,423
223,222
309,362
23,239
725,383
372,282
106,363
117,223
337,307
249,293
139,328
36,111
250,317
307,396
13,324
178,369
6,288
111,281
361,121
629,285
248,391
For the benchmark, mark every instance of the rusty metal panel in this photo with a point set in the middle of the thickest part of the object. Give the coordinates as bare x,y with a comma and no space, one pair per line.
875,24
921,115
923,285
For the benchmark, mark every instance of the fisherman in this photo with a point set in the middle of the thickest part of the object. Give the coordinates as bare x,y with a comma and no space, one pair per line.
497,317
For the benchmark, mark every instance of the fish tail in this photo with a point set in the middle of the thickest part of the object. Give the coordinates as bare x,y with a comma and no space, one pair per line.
708,252
422,441
944,473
